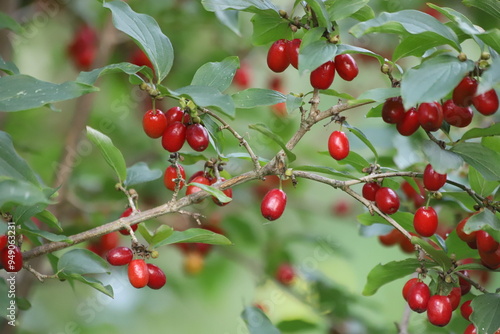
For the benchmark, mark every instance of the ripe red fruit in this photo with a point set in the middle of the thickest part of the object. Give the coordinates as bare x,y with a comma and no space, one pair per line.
461,233
406,288
197,137
273,204
471,329
465,90
157,278
346,67
430,116
171,174
387,200
393,110
391,238
405,244
465,286
292,51
466,309
409,124
322,77
3,241
485,242
242,76
439,310
277,58
119,256
139,58
369,190
433,181
285,274
138,273
83,48
174,136
109,241
11,258
338,145
125,231
194,189
455,115
174,114
418,297
425,221
491,260
228,192
454,296
486,103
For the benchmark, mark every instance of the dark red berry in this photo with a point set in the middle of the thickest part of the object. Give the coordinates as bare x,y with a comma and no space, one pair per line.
322,77
194,189
83,48
409,124
433,181
3,241
405,244
418,297
196,174
125,231
406,288
170,176
430,116
174,136
454,296
485,242
338,145
285,274
486,103
11,258
273,204
466,309
119,256
157,278
174,114
139,58
455,115
471,329
369,190
464,92
277,58
109,241
346,67
292,51
425,221
465,236
138,273
393,110
465,286
387,200
228,192
391,238
197,137
491,260
439,310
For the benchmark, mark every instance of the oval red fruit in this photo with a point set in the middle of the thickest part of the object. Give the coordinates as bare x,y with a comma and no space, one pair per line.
277,58
425,221
455,115
125,231
471,329
409,124
387,200
174,136
285,274
292,51
154,123
393,110
462,234
119,256
369,190
439,310
109,241
391,238
466,309
273,204
138,273
170,176
418,297
174,114
11,258
322,77
197,137
406,288
485,242
433,181
338,145
430,116
3,241
465,286
346,67
454,296
486,103
157,278
194,189
465,90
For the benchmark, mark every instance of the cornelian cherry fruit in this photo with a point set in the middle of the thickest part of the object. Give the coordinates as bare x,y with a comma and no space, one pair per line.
170,176
393,110
466,309
125,231
406,288
418,297
174,114
409,124
439,310
194,189
425,221
455,115
338,145
486,103
197,137
430,116
11,258
454,296
346,67
157,278
465,286
387,200
285,274
154,123
174,136
138,273
228,192
462,234
391,238
3,241
485,242
292,51
277,58
119,256
322,77
273,204
464,92
369,190
471,329
433,181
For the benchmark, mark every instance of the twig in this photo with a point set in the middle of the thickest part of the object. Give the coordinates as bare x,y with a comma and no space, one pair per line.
39,276
403,324
472,282
196,216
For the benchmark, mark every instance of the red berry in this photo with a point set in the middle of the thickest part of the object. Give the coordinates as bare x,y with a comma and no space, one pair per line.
338,145
405,244
242,76
486,103
369,190
119,256
277,58
455,115
139,58
11,258
430,116
466,309
3,241
461,233
197,137
465,90
157,278
471,329
418,297
109,241
138,273
439,310
387,200
174,114
171,174
228,192
433,181
485,242
273,204
425,221
194,189
196,174
292,51
346,67
322,77
285,274
393,110
406,288
174,136
83,47
491,260
454,296
391,238
125,231
409,124
465,286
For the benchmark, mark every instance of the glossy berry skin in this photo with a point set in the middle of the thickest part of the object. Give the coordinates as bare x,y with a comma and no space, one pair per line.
425,221
157,278
430,116
171,174
471,329
119,256
439,310
465,236
485,242
369,190
194,189
418,297
433,181
491,260
197,137
406,288
228,192
174,114
273,204
125,231
292,51
466,309
277,58
387,200
11,258
285,274
465,90
486,103
346,67
393,110
174,136
322,77
409,124
3,241
454,297
338,145
455,115
138,273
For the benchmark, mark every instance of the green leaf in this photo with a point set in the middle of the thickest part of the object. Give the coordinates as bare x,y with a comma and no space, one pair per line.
111,154
333,92
315,54
493,130
253,6
217,74
483,159
375,111
269,27
22,92
208,97
458,18
386,273
325,170
355,160
90,281
262,128
145,233
437,255
340,9
364,14
321,13
144,30
81,261
492,38
23,303
490,77
405,219
293,102
246,156
351,49
415,45
215,132
49,219
195,235
486,313
193,157
230,19
462,198
492,7
257,322
376,95
479,184
312,35
441,160
256,97
212,191
91,77
358,133
441,74
161,233
7,22
15,191
140,173
296,325
484,220
46,235
8,67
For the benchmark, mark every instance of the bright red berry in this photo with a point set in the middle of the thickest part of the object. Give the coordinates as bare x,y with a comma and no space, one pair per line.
285,274
491,260
273,204
338,145
409,124
157,278
471,329
277,58
486,103
433,181
406,288
405,244
418,297
439,310
464,92
119,256
393,111
11,258
174,114
194,189
346,67
430,116
3,241
125,231
369,190
454,296
170,176
322,77
228,192
466,309
425,221
138,273
485,242
197,137
174,136
455,115
391,238
292,51
387,200
465,236
109,241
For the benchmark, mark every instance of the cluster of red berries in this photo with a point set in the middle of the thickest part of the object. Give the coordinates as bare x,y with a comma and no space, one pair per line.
83,48
11,257
140,273
282,53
